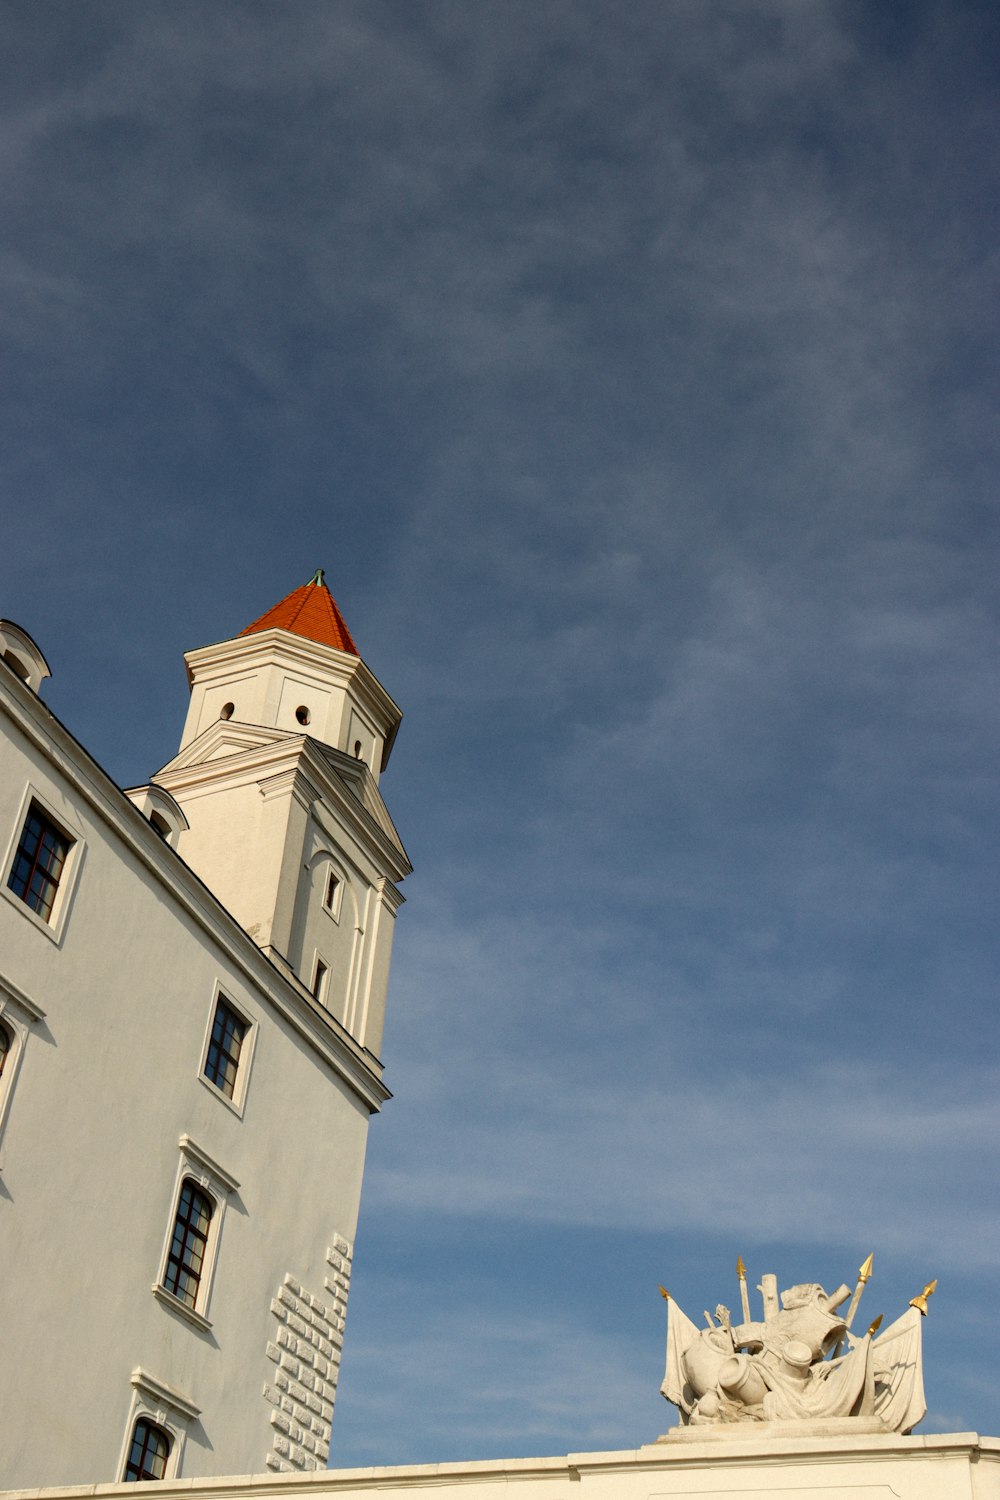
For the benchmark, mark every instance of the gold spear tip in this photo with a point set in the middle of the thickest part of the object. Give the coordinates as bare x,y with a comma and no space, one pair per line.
741,1269
865,1271
874,1327
664,1294
920,1303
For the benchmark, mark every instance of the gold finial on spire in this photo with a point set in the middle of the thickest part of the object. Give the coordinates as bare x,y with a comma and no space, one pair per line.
920,1303
741,1269
664,1294
874,1327
865,1270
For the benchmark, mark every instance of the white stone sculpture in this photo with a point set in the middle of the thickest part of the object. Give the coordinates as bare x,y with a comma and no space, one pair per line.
799,1365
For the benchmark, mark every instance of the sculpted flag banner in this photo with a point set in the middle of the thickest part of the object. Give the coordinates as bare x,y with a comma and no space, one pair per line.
681,1335
897,1358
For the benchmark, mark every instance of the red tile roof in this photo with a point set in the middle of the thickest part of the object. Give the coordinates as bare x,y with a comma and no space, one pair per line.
310,611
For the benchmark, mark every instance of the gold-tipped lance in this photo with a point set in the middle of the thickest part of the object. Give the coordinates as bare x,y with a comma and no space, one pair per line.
920,1303
664,1294
864,1275
874,1327
741,1272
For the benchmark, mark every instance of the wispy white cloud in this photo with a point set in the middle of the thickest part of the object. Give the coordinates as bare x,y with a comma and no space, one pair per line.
688,1144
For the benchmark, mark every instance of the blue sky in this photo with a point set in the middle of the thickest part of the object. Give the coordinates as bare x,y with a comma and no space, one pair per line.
631,371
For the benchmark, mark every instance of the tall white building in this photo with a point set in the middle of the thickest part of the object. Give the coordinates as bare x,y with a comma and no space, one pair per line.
192,987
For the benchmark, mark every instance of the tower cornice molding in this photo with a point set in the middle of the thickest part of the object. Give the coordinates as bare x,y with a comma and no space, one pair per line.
255,651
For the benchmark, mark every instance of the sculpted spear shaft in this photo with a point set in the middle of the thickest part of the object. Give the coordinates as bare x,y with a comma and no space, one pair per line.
864,1274
741,1272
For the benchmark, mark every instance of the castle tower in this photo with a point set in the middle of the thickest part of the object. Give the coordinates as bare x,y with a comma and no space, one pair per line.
286,736
192,987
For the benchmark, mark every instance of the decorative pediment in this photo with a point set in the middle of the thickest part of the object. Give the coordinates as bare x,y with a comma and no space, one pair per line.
359,781
223,739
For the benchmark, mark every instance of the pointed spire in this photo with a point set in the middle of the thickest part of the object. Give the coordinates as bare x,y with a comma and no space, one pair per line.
310,611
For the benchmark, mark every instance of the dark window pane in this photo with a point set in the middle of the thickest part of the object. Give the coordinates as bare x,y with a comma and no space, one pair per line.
223,1060
38,863
4,1048
187,1245
148,1453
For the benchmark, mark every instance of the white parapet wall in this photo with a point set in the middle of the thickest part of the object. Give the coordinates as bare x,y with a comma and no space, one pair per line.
953,1466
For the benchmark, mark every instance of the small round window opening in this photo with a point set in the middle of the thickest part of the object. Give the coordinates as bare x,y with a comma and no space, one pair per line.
302,714
226,711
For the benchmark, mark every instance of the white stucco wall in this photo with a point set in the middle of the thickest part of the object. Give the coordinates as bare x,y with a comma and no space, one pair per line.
109,1082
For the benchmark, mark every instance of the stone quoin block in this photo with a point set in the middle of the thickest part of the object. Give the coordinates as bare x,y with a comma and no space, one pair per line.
307,1352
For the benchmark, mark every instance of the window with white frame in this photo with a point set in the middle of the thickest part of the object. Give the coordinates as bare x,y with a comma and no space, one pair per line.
18,1015
321,976
38,862
332,881
228,1052
43,860
191,1248
188,1243
156,1430
148,1452
225,1044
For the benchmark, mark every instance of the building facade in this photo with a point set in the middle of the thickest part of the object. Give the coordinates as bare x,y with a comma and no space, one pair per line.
192,988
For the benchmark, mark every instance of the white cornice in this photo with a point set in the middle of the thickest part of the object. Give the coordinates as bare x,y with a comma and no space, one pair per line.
651,1469
12,992
392,897
208,1163
353,1063
163,1394
263,645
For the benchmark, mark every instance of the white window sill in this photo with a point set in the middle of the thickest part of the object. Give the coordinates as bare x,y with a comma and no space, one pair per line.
196,1319
52,930
235,1105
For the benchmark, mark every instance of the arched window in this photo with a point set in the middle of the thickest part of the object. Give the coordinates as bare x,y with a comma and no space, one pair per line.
4,1047
186,1256
148,1453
